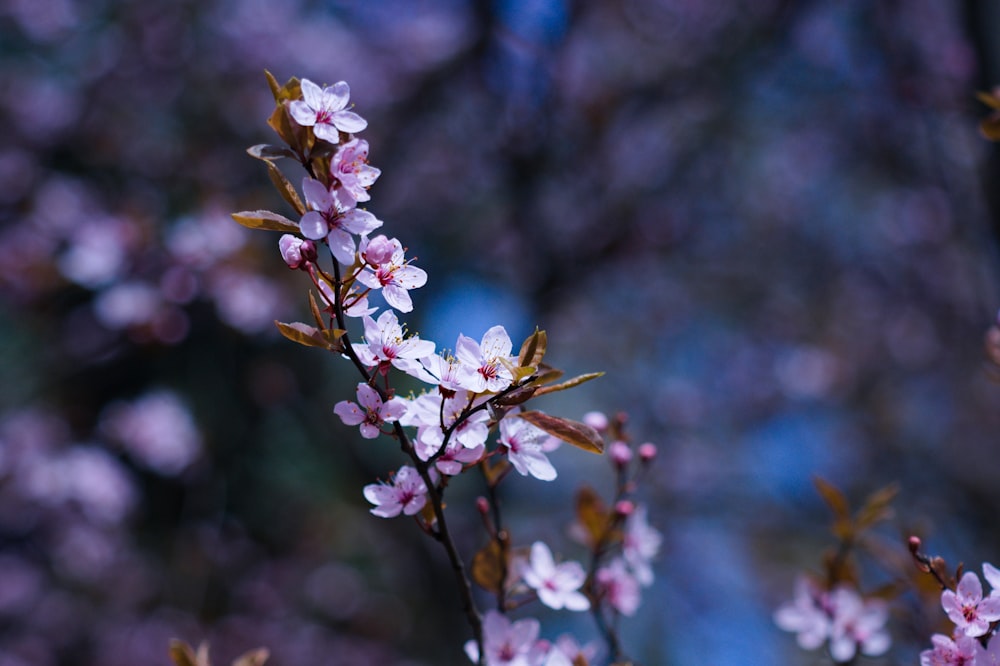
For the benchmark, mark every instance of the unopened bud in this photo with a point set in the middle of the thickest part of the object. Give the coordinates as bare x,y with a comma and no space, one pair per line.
624,508
379,251
482,505
620,453
296,252
596,420
647,452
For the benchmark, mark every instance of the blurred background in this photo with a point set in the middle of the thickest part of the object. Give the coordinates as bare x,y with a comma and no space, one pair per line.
773,224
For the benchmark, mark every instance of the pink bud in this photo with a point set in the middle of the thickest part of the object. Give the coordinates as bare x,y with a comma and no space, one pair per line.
647,451
620,453
379,250
295,251
596,420
624,508
482,505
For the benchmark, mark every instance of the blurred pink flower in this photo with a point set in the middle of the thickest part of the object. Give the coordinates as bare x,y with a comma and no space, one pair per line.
557,585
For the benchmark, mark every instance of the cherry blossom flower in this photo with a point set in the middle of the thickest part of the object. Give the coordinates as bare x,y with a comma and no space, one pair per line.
330,219
992,576
351,171
567,652
371,413
324,109
557,585
394,277
962,651
967,609
858,625
385,345
406,494
619,587
640,545
507,643
482,364
432,414
524,448
806,615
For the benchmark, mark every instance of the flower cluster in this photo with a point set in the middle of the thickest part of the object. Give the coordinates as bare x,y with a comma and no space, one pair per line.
975,617
840,618
472,413
831,611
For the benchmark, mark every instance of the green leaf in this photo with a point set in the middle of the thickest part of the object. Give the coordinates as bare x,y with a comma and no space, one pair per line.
568,384
578,434
285,188
265,219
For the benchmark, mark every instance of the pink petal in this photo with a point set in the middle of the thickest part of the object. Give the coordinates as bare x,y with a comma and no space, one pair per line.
312,94
348,121
313,226
349,413
368,397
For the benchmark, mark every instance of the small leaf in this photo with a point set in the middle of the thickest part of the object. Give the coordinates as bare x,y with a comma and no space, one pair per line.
533,349
877,507
316,312
833,498
182,654
253,658
285,188
489,566
515,397
265,219
493,473
546,375
284,127
990,99
990,127
272,83
305,334
267,152
592,514
578,434
568,384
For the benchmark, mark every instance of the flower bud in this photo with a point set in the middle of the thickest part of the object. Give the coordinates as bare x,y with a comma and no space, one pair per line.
624,508
620,453
647,452
296,252
379,251
596,420
482,505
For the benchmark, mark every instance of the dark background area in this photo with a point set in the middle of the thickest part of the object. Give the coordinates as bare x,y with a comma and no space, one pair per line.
773,224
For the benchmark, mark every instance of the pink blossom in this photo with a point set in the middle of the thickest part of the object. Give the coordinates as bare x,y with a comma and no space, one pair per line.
947,652
394,277
858,625
596,420
806,615
620,453
524,448
507,643
378,250
567,652
618,587
371,413
966,607
406,494
330,219
641,544
483,364
432,414
351,171
325,110
557,585
386,345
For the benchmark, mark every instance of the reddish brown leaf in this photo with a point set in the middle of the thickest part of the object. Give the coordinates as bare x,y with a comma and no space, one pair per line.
578,434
